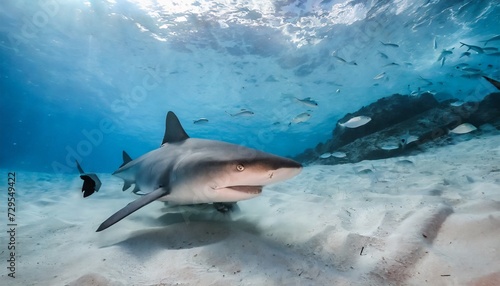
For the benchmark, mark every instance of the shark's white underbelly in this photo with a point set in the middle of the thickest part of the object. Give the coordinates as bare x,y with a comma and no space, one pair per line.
189,196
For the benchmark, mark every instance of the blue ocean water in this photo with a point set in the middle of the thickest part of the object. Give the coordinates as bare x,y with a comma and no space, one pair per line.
86,79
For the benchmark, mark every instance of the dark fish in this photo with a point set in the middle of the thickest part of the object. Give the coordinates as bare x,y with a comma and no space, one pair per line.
200,121
390,44
477,49
243,112
426,80
445,53
495,38
344,61
465,54
490,49
391,64
91,182
384,56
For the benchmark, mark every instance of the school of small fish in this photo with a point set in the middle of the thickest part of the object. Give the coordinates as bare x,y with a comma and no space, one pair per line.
386,52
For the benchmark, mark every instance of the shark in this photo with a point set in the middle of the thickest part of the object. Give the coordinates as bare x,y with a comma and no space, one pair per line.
190,171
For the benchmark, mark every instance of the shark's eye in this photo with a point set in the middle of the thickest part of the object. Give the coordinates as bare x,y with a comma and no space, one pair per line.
240,167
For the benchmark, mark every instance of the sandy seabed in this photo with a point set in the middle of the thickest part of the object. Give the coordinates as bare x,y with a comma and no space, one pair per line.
429,219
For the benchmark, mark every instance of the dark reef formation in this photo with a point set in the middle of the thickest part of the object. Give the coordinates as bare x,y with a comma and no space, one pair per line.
394,120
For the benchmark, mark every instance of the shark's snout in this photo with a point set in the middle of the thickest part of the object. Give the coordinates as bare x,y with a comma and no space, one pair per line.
282,174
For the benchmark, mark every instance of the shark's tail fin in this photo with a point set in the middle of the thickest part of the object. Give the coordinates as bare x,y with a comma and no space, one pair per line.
91,182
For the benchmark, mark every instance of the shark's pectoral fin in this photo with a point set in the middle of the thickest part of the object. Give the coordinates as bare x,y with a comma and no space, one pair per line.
133,206
91,182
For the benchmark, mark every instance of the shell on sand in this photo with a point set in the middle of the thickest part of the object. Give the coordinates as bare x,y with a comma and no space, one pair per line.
356,122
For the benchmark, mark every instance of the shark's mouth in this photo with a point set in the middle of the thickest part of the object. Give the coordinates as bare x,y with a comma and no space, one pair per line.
247,189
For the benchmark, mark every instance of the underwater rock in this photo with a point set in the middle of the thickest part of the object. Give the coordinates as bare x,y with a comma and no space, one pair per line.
397,117
384,112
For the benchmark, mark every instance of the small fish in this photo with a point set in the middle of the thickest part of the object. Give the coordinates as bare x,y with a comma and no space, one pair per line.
426,80
443,60
344,61
325,155
495,38
444,53
340,59
407,139
243,112
380,75
462,65
435,43
339,154
390,44
494,54
356,122
490,49
338,90
382,55
389,147
465,54
463,128
391,64
476,75
471,70
476,49
308,101
303,117
457,103
200,121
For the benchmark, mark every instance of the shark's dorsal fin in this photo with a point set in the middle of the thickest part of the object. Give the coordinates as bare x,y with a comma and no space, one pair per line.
126,158
173,130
